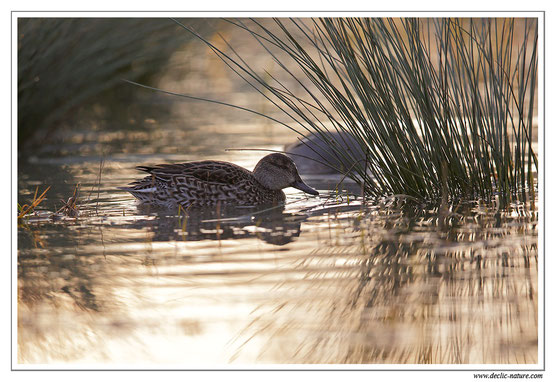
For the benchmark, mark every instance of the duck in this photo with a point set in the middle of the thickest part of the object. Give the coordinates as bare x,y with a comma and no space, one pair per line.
210,182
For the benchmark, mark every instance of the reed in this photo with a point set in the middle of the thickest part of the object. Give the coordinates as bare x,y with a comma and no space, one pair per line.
440,107
26,209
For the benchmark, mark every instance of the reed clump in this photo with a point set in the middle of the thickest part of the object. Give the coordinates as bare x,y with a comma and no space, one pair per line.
442,108
70,207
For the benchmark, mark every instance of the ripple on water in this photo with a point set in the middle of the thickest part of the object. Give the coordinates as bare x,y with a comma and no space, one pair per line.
318,282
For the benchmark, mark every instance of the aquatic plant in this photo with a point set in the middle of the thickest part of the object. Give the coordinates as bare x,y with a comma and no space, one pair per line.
70,208
26,209
440,107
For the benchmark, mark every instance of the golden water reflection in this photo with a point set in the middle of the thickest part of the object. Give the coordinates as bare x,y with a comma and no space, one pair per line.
351,284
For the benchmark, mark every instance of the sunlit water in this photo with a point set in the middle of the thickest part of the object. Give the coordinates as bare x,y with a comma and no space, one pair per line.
326,279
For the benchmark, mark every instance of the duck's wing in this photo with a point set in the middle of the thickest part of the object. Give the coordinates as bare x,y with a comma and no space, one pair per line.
214,172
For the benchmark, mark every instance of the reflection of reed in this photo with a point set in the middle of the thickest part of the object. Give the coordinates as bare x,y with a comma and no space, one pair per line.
414,295
49,282
40,275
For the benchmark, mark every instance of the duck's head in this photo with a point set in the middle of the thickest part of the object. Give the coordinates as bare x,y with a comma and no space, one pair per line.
277,171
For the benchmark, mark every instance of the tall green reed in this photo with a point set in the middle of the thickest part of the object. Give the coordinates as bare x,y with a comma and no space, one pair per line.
440,107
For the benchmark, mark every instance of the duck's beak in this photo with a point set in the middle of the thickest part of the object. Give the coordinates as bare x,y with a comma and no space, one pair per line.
303,187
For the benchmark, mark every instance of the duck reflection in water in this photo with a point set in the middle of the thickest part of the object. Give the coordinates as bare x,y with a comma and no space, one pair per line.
268,223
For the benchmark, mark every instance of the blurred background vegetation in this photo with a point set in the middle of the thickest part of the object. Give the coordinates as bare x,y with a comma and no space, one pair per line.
66,62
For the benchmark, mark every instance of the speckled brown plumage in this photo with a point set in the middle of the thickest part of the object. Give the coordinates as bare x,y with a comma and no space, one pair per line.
206,183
